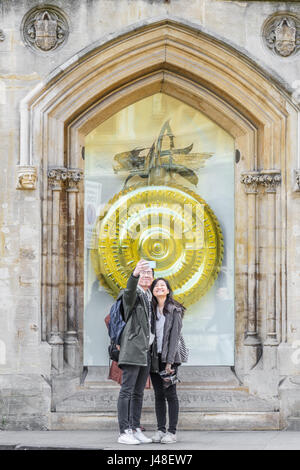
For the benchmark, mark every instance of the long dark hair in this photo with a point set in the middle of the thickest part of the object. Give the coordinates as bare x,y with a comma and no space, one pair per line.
169,300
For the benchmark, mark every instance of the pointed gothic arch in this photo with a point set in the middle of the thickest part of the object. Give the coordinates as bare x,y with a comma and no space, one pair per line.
188,63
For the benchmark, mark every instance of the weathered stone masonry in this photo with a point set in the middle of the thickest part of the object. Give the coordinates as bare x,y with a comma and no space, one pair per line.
98,58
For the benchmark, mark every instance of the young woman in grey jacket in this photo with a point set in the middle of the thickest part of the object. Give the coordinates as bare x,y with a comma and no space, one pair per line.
169,315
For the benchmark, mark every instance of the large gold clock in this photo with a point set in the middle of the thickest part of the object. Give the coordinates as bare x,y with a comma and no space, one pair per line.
169,224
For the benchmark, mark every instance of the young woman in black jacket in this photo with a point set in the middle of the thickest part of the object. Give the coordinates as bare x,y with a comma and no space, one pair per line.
169,315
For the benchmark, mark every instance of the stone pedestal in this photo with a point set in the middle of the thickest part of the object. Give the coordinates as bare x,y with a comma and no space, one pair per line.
25,402
289,393
210,398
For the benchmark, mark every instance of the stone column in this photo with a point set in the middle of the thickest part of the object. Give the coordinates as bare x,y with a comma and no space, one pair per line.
56,182
71,335
270,180
252,341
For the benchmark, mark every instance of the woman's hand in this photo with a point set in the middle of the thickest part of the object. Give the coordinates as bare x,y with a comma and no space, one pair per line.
168,369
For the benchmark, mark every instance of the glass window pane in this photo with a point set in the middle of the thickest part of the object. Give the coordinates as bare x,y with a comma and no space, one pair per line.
166,172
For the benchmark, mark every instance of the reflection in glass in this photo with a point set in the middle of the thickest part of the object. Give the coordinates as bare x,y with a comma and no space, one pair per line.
146,176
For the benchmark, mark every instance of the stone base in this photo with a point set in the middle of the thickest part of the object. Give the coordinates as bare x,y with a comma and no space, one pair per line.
193,421
293,423
205,389
210,398
289,394
25,402
25,422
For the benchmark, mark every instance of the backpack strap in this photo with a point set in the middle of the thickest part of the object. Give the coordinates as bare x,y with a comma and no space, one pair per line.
122,308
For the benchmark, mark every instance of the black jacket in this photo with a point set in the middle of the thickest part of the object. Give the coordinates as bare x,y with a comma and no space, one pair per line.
135,336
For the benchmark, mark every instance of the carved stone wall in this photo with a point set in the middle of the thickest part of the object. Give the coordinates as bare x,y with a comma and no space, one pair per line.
108,62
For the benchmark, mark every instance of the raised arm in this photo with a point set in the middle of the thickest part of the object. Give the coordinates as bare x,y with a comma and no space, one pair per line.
129,295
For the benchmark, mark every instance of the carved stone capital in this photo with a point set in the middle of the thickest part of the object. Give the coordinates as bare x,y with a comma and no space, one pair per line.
56,178
26,177
64,178
269,179
251,181
297,180
74,178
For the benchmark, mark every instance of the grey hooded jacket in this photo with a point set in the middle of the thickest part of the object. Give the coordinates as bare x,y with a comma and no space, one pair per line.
172,330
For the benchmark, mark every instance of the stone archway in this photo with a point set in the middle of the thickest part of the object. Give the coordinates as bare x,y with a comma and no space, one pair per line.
187,63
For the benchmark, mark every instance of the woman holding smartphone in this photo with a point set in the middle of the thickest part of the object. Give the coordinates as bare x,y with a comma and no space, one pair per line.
169,314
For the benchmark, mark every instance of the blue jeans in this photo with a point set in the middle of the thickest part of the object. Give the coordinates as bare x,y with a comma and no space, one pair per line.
131,395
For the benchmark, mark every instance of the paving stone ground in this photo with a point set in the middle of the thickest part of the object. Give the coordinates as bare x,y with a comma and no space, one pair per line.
193,440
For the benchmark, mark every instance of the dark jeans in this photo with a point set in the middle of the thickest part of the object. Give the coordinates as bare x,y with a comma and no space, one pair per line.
163,395
131,395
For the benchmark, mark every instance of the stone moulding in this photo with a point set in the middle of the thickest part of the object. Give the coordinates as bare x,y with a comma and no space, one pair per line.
26,177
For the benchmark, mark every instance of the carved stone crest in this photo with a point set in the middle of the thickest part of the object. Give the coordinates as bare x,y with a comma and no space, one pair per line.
285,37
282,34
45,29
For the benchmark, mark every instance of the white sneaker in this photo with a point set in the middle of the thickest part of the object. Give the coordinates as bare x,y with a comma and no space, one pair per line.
127,437
141,437
169,438
158,436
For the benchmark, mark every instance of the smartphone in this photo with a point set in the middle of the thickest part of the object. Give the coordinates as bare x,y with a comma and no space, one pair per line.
152,264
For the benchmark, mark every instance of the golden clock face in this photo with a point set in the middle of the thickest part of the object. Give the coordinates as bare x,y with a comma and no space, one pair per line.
170,225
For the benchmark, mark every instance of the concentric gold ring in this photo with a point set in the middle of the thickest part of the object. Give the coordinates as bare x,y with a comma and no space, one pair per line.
171,225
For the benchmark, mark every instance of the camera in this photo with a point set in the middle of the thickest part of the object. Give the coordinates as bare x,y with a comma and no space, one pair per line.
169,379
